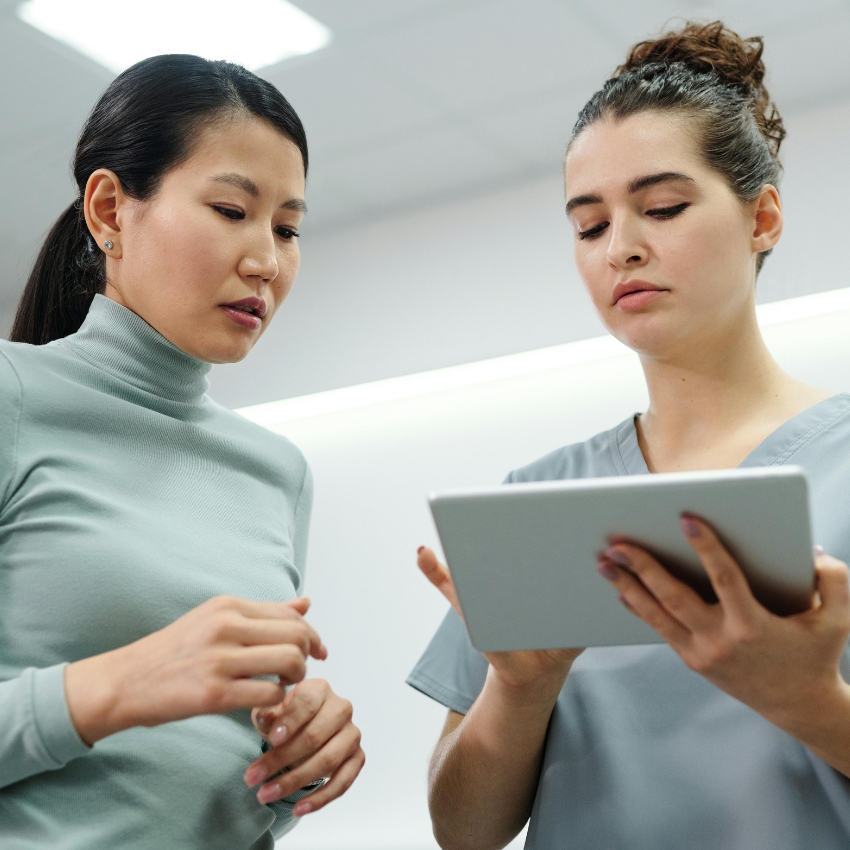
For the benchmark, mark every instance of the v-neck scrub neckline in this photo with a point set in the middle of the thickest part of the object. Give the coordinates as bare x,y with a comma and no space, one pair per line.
779,447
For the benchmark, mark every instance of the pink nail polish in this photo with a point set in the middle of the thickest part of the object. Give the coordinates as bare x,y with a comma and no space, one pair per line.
606,570
255,775
302,809
278,736
268,794
690,528
617,557
819,550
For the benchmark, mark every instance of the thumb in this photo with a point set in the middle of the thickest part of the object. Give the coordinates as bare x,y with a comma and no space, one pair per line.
438,574
301,605
832,585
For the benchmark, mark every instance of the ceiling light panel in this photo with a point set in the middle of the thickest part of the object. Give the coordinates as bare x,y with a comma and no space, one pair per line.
253,33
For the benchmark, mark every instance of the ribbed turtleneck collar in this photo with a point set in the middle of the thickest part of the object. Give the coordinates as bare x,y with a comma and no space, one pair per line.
123,344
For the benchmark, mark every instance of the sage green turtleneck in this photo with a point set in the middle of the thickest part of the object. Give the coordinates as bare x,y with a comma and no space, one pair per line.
128,497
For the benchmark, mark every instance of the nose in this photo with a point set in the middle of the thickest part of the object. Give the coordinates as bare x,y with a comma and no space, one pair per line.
259,261
626,249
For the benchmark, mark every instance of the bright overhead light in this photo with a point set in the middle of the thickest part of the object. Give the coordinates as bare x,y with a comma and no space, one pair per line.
253,33
275,413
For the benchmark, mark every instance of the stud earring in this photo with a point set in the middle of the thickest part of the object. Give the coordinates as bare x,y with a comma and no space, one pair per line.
107,244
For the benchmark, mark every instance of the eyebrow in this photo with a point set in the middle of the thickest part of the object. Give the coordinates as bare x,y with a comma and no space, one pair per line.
247,185
636,185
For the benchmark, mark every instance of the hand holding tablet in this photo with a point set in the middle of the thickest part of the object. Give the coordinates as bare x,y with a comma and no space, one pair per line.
522,556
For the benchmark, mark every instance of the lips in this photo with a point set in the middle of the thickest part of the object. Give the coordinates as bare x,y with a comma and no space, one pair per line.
635,293
253,305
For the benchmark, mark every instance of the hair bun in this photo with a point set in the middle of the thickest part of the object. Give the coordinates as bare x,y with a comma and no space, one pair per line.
707,48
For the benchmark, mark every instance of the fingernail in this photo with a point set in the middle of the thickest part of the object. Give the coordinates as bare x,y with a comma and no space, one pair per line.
255,775
819,550
625,602
420,550
302,809
268,793
278,736
689,527
617,557
606,570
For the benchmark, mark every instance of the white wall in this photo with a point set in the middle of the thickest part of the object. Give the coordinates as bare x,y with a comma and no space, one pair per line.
494,275
373,467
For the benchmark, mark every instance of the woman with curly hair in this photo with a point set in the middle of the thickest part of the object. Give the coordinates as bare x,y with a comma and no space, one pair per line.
736,732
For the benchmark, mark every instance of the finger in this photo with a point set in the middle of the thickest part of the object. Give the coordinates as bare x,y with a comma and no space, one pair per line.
831,579
250,609
322,764
286,661
296,740
288,610
339,783
301,605
637,599
263,718
729,583
255,632
679,600
438,574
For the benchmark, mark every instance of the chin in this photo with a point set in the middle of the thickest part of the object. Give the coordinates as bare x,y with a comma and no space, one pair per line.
642,334
222,351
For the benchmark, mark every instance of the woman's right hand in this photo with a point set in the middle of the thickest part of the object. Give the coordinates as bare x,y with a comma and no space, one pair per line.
524,670
203,663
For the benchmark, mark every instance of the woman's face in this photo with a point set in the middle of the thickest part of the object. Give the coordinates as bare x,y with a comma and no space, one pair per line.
209,259
665,248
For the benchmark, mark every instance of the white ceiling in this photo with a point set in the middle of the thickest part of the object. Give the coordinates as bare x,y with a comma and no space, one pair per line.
415,101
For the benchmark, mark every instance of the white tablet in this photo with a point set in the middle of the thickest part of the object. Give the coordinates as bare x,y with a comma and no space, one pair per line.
523,556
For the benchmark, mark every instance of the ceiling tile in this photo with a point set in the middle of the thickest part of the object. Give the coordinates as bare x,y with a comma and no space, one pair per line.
631,22
347,104
441,164
349,19
496,52
537,129
808,65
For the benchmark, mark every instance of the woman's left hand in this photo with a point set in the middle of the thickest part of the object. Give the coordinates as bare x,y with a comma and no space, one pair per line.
785,668
312,738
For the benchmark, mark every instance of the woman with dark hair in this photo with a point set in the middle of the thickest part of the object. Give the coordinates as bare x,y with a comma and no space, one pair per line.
736,733
152,543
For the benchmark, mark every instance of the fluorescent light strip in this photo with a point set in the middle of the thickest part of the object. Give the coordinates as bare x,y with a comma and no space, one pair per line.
253,33
511,366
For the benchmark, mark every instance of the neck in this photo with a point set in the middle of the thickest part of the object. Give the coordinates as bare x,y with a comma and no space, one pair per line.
713,401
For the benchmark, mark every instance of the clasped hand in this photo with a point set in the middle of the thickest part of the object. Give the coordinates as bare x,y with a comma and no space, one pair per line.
782,667
225,654
312,738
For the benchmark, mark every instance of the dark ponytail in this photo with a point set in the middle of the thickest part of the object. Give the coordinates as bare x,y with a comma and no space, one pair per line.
713,76
143,125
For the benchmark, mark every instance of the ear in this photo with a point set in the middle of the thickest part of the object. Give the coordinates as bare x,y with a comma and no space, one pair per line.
767,212
103,203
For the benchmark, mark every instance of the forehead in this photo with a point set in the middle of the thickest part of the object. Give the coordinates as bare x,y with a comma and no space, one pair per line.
608,155
247,146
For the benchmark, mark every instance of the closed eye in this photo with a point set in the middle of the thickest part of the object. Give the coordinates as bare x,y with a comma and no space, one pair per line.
592,232
668,212
229,212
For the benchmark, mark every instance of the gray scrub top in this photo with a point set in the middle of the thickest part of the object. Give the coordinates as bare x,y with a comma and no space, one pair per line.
643,753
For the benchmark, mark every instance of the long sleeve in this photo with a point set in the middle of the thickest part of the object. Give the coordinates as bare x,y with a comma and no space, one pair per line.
36,731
